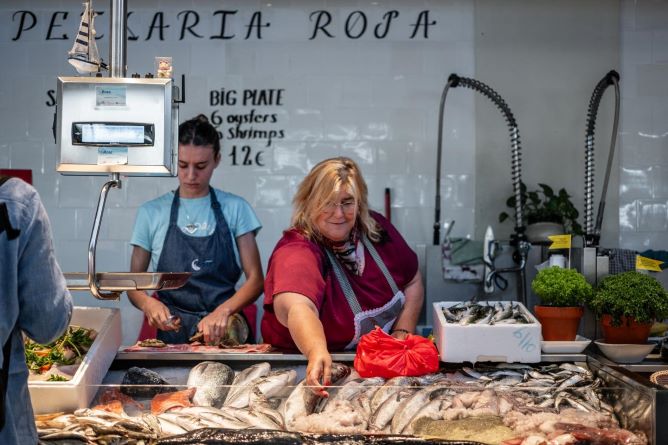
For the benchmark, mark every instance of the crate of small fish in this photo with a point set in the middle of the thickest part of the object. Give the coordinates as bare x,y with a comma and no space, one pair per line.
56,387
489,331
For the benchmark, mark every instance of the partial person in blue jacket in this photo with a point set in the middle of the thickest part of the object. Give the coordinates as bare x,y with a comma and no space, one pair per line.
202,230
33,297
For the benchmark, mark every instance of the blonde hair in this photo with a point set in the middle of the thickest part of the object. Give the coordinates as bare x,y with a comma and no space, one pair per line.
325,180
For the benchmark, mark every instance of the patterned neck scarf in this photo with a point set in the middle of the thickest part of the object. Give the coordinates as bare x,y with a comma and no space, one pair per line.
350,252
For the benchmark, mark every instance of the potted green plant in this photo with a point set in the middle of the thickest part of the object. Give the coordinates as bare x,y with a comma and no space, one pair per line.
627,304
546,212
563,293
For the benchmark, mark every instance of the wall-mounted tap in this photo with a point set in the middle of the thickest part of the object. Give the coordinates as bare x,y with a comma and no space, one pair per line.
593,232
518,239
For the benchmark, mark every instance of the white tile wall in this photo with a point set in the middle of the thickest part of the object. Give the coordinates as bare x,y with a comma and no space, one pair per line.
644,136
373,100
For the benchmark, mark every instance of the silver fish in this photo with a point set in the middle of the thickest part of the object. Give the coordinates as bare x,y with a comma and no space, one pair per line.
386,411
221,418
256,419
269,385
212,380
407,410
432,410
575,403
503,313
245,377
571,381
302,401
259,403
391,387
186,421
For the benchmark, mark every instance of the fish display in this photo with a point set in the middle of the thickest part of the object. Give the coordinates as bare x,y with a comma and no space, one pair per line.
469,313
522,404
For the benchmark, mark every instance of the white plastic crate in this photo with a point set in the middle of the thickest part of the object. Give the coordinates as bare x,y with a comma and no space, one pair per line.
48,397
486,343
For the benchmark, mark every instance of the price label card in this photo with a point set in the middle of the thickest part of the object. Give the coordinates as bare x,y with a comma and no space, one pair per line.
110,96
645,263
560,241
112,155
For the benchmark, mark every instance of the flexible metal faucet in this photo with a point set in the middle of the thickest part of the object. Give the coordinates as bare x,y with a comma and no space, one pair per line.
593,232
518,238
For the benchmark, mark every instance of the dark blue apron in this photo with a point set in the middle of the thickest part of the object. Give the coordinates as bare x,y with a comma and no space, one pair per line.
214,270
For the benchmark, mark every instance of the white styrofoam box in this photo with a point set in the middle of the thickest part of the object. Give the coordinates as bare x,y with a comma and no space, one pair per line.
48,397
486,343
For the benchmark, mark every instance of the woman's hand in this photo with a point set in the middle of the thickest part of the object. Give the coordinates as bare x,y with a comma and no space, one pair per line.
213,325
400,334
298,313
158,315
319,371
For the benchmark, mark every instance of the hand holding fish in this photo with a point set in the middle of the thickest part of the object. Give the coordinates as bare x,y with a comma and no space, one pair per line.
213,325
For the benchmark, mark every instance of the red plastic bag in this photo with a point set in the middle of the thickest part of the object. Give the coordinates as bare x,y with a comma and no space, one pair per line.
381,355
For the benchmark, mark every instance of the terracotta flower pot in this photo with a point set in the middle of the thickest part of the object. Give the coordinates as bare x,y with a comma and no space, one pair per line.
559,323
629,332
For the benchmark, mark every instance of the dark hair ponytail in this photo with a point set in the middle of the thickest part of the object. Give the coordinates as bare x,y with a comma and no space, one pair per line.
198,131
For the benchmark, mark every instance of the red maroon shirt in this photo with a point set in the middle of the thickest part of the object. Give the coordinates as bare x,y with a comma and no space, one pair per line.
299,265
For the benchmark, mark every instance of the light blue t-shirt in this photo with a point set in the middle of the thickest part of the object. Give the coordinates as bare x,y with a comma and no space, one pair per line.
196,218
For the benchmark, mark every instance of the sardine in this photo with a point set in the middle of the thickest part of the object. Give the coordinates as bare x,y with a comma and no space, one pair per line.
504,312
575,403
571,381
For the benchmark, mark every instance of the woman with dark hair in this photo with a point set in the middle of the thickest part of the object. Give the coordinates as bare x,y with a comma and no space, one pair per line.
339,271
202,230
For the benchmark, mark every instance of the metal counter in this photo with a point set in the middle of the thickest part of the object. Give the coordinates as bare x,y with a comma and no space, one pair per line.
346,357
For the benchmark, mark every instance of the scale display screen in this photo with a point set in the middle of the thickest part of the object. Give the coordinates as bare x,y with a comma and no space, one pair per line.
112,134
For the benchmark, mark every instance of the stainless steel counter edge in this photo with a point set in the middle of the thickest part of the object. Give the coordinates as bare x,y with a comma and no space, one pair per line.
287,357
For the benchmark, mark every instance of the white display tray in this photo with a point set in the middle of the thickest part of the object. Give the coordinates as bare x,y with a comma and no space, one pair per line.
565,347
487,343
48,397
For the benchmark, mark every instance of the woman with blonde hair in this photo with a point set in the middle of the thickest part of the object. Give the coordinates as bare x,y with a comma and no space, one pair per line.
340,270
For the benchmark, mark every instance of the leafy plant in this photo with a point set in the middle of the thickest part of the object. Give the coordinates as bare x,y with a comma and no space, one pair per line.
68,349
561,287
631,294
546,206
